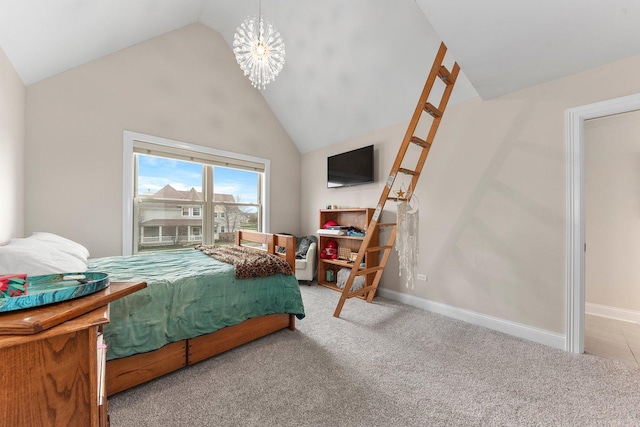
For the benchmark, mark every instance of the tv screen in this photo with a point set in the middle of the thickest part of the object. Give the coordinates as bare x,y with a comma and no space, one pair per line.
350,168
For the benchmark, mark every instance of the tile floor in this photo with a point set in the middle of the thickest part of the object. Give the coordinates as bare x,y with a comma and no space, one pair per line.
613,339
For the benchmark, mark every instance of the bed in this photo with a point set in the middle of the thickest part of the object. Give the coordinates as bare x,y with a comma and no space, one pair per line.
193,308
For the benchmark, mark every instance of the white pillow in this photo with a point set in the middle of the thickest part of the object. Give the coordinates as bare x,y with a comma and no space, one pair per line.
43,239
16,259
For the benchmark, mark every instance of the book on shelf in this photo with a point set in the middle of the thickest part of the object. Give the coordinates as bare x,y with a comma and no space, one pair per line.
331,232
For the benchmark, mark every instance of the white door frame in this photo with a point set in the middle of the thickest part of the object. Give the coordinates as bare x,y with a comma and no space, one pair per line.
575,231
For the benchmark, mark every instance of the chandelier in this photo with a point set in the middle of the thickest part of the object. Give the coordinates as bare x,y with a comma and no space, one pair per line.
259,50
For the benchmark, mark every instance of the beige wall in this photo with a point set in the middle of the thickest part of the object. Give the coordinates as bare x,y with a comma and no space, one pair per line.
184,85
612,211
492,197
12,112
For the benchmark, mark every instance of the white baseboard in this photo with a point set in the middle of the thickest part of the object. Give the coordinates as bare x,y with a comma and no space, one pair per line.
612,312
540,336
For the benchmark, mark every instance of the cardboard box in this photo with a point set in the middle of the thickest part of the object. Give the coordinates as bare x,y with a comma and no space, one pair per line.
14,285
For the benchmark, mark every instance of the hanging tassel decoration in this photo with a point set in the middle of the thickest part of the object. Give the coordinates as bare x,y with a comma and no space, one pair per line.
407,239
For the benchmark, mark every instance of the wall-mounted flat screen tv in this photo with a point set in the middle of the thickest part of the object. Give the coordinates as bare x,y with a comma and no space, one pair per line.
351,168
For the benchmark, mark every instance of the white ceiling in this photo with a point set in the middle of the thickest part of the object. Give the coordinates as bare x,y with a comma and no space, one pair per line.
506,45
352,66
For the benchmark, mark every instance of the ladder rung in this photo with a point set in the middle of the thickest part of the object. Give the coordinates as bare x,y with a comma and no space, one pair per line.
360,291
387,224
420,142
366,271
407,171
395,199
431,109
444,74
379,248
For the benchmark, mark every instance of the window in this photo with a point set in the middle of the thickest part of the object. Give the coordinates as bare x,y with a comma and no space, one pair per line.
182,198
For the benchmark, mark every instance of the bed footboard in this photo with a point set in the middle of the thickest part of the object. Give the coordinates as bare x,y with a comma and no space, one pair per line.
270,244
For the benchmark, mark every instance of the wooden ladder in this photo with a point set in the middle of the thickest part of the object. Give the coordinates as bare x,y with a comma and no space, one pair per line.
448,78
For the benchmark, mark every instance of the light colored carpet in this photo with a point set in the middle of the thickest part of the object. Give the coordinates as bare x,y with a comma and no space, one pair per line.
386,364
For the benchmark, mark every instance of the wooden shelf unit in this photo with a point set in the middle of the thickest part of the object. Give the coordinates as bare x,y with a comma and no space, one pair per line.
49,361
354,217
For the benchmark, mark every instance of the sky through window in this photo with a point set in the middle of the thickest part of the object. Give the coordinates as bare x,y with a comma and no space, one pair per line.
156,172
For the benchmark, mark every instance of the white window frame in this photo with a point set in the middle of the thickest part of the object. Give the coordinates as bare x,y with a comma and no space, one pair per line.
128,138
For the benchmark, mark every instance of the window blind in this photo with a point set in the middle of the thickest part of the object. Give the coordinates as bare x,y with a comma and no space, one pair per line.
151,149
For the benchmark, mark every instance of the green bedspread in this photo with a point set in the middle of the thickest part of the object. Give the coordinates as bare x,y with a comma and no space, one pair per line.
188,294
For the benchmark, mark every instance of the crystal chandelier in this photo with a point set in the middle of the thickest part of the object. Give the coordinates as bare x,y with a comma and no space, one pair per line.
259,50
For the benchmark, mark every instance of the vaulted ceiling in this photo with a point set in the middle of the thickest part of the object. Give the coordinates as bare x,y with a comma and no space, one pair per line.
353,66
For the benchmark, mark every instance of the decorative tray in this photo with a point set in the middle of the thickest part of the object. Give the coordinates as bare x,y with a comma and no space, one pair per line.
52,288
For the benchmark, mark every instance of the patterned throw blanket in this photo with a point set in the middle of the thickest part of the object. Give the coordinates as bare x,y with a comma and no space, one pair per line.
247,262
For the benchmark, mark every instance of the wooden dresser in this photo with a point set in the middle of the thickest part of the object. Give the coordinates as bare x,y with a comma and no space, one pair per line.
49,362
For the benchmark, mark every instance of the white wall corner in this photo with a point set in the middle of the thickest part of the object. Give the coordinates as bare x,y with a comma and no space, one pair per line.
537,335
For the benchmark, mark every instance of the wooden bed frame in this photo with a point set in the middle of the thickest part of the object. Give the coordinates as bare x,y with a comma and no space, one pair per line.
130,371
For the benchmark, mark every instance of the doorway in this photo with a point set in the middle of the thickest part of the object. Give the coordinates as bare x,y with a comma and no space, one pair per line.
612,234
575,230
